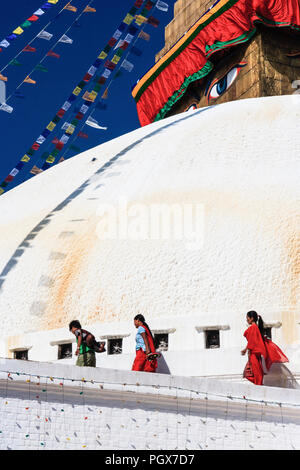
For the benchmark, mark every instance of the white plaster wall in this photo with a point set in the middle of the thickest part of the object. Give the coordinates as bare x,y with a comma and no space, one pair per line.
240,160
46,406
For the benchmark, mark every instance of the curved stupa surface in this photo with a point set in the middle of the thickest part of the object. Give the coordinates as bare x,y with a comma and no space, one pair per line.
239,162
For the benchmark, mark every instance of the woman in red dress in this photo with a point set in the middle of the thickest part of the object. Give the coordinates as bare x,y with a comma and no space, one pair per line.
146,354
259,346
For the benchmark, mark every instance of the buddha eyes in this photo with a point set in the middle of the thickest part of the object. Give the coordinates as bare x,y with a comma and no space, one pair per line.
220,85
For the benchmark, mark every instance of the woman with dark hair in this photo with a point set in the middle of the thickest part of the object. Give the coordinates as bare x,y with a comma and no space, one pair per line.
259,346
146,354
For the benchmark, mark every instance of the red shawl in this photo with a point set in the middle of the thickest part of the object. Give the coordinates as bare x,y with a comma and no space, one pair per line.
264,346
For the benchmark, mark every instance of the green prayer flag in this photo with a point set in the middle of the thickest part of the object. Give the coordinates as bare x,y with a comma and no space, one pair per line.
26,24
14,62
73,147
41,68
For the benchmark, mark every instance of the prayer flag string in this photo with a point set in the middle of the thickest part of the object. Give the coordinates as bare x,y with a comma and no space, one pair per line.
5,43
89,97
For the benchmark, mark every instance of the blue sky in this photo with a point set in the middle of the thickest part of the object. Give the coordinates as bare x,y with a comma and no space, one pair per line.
31,115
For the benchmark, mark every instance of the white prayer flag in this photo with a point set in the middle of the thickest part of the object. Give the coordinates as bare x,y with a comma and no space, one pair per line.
45,35
93,123
64,139
67,105
65,126
39,12
106,73
84,108
162,6
66,39
127,65
5,107
41,139
117,34
4,43
92,70
14,172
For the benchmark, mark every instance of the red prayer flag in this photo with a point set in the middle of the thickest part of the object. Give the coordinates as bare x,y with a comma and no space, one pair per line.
59,145
33,18
87,77
35,146
55,141
149,5
83,135
112,42
153,21
79,116
53,54
9,178
138,3
29,49
61,113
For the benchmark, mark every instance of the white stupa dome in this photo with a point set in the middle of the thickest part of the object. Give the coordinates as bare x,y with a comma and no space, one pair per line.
239,161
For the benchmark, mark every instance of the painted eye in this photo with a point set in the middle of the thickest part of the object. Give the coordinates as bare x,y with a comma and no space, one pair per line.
219,86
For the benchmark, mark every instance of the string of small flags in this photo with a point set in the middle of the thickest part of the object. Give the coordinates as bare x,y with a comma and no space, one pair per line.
43,34
92,97
89,97
5,43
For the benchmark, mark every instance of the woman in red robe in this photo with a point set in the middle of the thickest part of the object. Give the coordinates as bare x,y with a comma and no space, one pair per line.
146,354
259,346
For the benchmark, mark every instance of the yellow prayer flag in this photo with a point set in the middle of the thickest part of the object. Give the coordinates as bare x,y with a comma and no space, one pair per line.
128,19
89,9
18,30
51,126
4,79
102,55
76,91
53,1
90,96
29,80
70,129
1,190
26,158
50,159
70,8
139,19
115,59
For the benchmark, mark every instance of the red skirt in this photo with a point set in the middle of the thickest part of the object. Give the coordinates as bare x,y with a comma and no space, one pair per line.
254,370
141,362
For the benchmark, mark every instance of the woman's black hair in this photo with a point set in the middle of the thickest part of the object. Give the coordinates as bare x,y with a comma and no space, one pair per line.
74,323
141,318
257,318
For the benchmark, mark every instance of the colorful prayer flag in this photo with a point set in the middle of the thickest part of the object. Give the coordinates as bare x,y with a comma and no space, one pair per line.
26,23
144,36
93,123
5,107
4,43
53,54
39,12
83,135
29,49
66,39
14,62
33,17
127,65
162,5
89,9
29,80
45,35
35,170
153,21
18,30
70,8
41,68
